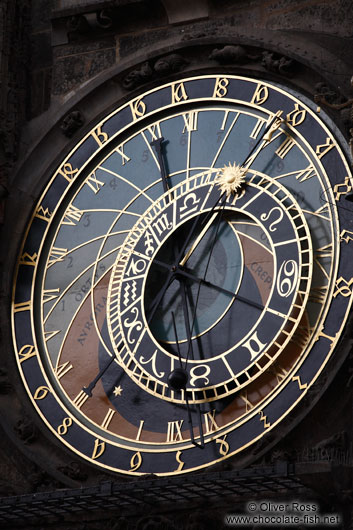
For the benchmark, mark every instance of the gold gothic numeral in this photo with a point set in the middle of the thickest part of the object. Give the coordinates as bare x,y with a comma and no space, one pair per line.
263,418
43,213
100,136
178,93
140,430
220,88
301,385
326,336
138,109
255,132
136,461
50,334
98,449
180,462
322,149
64,426
346,236
26,352
297,116
28,259
155,131
306,173
68,172
50,294
260,94
41,393
224,447
346,188
343,287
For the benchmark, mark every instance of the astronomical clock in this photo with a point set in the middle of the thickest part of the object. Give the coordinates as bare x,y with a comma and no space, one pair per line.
186,275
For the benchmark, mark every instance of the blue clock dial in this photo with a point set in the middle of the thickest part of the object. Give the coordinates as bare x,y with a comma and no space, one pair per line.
185,277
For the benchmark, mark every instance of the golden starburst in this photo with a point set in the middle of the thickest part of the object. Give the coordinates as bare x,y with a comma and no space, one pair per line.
231,178
117,391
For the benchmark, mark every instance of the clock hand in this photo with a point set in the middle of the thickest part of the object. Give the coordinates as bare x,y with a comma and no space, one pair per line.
88,389
157,144
199,286
266,137
211,215
218,287
198,239
177,380
186,320
171,275
186,274
158,298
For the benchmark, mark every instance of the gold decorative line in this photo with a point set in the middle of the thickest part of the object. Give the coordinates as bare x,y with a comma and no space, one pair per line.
317,215
225,138
82,272
288,241
119,177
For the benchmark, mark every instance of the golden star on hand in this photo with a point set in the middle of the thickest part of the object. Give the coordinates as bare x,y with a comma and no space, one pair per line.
117,391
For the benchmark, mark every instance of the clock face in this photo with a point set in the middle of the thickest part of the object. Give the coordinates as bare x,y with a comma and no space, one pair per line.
185,276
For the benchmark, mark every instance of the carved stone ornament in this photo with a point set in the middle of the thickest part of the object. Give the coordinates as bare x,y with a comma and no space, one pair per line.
138,77
169,64
163,66
232,55
331,99
41,481
278,64
72,123
26,431
73,471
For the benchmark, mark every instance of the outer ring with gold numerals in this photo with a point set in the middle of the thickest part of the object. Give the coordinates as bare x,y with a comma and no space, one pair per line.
327,174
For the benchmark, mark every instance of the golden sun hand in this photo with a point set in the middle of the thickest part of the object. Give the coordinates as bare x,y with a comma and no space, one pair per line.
231,178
